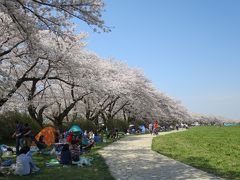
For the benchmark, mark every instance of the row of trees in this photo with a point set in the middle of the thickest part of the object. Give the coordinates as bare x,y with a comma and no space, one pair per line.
46,71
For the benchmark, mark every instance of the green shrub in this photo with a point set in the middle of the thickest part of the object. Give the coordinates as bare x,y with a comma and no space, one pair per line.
121,125
83,123
90,126
8,126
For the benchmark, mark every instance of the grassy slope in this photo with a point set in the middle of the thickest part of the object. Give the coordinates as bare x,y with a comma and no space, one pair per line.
97,171
212,149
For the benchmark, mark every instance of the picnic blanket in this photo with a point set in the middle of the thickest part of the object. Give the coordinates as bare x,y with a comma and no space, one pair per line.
83,161
53,162
6,151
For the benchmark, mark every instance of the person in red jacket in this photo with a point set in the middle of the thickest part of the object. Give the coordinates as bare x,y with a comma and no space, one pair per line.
155,127
70,137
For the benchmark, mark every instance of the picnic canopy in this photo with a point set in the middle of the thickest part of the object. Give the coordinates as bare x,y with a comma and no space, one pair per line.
49,135
75,129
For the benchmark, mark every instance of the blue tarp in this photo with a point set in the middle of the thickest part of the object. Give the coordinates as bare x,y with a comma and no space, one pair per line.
3,148
231,124
143,129
97,139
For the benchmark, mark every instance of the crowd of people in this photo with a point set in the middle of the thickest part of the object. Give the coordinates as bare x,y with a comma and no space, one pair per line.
155,128
24,138
67,147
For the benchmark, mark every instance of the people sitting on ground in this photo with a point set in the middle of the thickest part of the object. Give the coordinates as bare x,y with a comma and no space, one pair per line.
86,144
62,139
78,138
58,145
75,151
34,168
133,131
27,135
138,131
57,137
65,157
91,135
24,164
97,138
40,143
113,134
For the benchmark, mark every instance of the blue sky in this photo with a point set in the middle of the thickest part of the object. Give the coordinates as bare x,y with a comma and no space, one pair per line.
189,49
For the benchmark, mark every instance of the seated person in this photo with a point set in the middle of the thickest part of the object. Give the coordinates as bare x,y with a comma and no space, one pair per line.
57,136
65,157
77,138
133,131
62,139
57,149
86,143
24,164
114,134
91,135
75,151
97,138
40,144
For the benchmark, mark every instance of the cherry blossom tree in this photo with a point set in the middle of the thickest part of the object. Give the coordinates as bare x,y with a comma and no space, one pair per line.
203,119
22,23
54,15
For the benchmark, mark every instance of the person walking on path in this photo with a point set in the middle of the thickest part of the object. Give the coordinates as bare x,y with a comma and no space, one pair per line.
150,127
177,127
155,127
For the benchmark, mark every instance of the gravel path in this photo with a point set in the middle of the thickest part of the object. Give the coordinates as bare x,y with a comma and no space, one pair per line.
131,158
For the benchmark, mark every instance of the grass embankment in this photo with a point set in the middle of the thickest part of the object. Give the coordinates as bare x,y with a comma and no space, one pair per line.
99,170
212,149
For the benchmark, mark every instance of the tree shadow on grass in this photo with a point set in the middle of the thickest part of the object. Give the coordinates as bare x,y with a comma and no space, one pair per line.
204,164
98,169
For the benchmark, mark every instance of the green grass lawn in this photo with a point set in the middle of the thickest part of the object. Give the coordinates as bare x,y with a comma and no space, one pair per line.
212,149
97,171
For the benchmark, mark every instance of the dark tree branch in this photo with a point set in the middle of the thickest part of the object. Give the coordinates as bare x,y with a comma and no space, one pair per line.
9,50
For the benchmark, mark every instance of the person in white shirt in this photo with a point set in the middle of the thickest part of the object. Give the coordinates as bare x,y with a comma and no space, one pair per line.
24,164
150,127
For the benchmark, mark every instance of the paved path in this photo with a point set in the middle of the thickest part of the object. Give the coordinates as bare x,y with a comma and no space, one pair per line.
131,158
